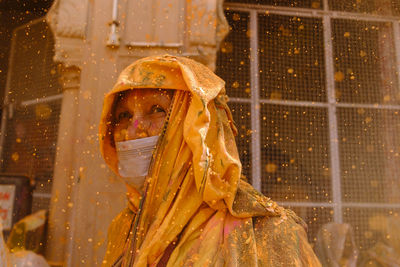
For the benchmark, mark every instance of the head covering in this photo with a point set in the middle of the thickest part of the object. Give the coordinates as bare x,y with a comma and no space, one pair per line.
336,246
194,199
386,250
199,114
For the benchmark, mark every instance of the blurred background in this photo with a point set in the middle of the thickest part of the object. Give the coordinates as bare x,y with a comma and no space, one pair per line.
313,86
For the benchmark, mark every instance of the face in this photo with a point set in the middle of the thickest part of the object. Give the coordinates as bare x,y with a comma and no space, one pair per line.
140,113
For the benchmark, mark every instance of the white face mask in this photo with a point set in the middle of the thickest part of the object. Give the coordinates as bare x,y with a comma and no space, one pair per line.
134,157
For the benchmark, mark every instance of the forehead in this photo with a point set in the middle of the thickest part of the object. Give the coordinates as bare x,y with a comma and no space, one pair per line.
139,95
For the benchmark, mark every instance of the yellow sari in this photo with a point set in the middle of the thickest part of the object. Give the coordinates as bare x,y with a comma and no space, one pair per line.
195,210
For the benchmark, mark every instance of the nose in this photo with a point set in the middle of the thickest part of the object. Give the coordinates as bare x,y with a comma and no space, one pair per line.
137,128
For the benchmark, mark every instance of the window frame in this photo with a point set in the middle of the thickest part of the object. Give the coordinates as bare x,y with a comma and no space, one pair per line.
330,105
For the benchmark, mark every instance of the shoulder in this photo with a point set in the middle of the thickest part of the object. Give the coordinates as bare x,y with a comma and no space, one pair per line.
286,228
282,240
118,232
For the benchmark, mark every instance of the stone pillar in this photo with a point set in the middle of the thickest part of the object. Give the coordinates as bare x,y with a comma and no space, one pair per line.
207,26
67,20
63,177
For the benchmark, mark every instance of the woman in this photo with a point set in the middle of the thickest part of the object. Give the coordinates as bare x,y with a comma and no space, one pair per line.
192,208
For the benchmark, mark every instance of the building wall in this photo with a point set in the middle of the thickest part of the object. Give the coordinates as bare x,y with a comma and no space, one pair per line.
86,195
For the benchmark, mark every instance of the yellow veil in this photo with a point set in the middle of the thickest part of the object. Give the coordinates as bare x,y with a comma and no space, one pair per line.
195,208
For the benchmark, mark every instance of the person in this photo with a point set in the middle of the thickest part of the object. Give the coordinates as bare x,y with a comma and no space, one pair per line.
167,131
336,246
18,250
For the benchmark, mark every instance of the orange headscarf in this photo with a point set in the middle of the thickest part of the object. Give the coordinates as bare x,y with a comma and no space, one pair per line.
194,203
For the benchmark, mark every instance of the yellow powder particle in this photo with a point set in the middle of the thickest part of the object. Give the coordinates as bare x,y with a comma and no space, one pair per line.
15,156
339,76
271,167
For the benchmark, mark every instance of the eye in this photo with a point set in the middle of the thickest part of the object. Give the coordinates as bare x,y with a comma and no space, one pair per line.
157,109
124,115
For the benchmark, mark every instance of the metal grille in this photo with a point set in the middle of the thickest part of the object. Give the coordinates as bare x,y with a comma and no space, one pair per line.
371,226
32,127
369,154
291,56
329,143
314,217
365,70
30,144
242,117
316,4
34,71
233,62
382,7
295,153
396,7
40,203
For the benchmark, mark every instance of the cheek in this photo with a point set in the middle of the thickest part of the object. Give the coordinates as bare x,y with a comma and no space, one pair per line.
119,133
156,127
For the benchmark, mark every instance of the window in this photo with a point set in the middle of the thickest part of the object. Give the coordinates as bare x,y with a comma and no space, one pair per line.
315,96
34,96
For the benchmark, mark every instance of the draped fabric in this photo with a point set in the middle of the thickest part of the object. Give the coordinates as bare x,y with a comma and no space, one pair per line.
195,210
336,245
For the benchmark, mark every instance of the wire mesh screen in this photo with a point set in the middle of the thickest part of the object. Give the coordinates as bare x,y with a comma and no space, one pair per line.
31,132
233,58
291,56
40,203
374,227
314,217
242,118
369,154
34,73
30,142
396,7
316,4
295,137
381,7
365,70
295,153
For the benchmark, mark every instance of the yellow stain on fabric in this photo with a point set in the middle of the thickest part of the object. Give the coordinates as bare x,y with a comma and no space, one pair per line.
194,195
